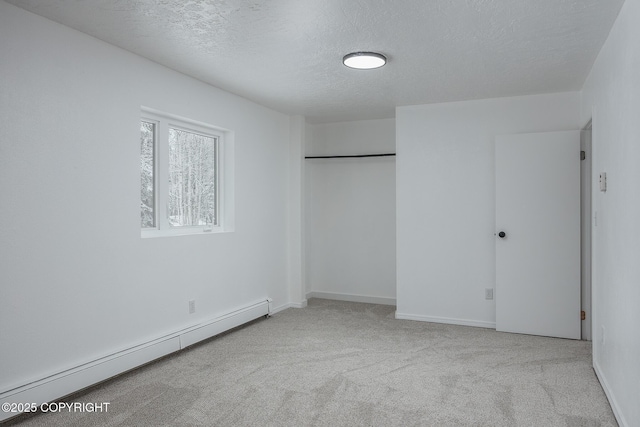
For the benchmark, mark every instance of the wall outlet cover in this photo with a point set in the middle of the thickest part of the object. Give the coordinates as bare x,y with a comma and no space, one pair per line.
488,293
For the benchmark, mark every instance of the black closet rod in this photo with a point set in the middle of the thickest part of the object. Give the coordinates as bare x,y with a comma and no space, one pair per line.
351,156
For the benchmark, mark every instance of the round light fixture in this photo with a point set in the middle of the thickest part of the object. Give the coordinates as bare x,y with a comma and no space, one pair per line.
364,60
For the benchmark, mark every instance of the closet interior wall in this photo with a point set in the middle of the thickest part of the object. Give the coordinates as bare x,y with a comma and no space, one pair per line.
350,211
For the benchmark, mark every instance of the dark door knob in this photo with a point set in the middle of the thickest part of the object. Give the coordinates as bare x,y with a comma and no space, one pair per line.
502,234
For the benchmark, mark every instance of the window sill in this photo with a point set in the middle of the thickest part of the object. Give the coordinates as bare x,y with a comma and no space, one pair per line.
184,231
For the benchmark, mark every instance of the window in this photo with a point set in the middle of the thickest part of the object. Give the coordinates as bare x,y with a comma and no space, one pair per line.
192,178
180,176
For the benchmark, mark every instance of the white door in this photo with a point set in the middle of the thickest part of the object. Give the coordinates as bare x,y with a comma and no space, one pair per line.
538,234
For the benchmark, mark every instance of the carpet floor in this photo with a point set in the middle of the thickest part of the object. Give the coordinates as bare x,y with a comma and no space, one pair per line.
338,363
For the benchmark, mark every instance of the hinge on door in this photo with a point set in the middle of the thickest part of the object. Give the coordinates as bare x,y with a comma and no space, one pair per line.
583,155
583,315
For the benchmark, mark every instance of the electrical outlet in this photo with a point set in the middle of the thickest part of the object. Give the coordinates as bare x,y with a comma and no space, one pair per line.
192,306
488,293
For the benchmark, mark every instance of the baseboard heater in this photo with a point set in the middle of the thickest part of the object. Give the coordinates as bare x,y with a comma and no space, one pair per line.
61,384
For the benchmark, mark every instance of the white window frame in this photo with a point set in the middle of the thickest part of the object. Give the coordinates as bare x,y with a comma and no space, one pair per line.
163,122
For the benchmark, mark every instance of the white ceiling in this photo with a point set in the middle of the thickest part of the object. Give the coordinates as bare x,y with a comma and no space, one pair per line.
287,54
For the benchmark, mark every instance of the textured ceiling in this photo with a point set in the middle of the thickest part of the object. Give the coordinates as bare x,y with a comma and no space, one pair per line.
287,54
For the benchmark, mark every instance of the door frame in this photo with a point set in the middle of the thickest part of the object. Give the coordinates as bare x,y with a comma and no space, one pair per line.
586,252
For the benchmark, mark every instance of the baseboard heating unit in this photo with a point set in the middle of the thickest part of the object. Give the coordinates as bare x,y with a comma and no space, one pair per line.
60,384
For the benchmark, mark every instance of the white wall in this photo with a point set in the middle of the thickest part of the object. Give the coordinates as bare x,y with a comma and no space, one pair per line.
77,281
350,212
446,200
297,137
611,95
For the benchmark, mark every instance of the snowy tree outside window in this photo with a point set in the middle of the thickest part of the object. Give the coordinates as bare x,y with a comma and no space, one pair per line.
192,179
147,179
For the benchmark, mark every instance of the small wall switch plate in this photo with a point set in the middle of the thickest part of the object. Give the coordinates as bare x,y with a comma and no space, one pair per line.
603,181
488,293
192,306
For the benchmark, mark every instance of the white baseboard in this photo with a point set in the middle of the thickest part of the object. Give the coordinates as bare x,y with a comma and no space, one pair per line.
63,383
282,307
447,320
301,304
622,422
352,298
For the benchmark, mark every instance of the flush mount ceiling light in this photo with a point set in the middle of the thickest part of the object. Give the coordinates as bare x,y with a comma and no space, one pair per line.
364,60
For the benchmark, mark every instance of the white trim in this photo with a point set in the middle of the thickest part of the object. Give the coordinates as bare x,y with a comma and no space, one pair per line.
63,383
150,233
301,304
447,320
352,298
622,422
280,308
206,127
283,307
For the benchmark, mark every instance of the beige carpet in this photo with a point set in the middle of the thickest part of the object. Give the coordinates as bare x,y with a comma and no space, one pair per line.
349,364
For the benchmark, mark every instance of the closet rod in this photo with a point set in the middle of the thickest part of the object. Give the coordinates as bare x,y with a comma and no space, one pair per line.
351,156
